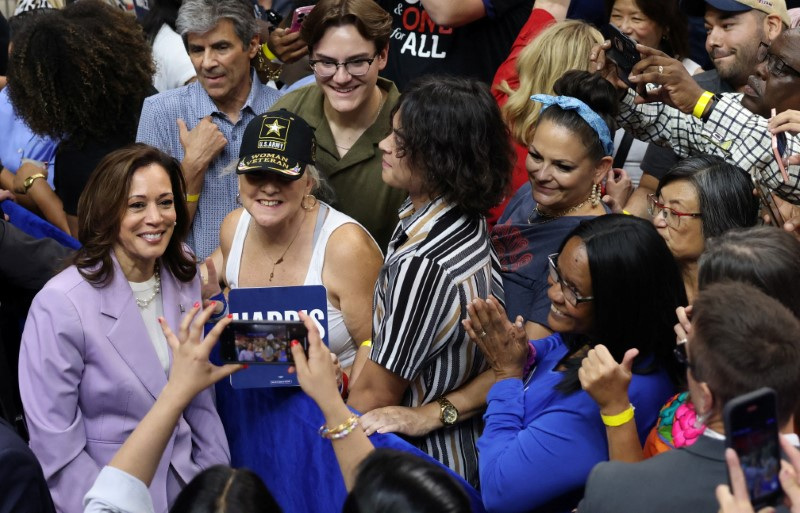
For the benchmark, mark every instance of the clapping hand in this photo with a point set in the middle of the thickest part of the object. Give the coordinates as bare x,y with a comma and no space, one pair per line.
504,345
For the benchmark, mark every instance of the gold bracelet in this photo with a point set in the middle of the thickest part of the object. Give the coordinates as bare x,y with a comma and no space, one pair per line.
701,104
192,198
618,419
340,431
366,343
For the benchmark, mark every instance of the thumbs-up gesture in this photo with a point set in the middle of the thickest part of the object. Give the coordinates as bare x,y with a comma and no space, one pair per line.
605,380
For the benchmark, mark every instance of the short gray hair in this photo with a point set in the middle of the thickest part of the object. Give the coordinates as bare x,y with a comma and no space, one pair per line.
200,16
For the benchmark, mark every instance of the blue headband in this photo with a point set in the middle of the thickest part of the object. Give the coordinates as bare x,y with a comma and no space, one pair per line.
584,111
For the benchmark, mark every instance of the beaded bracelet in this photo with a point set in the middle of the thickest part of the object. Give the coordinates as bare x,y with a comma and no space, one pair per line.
340,431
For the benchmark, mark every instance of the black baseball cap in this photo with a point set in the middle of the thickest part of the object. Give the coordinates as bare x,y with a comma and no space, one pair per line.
278,142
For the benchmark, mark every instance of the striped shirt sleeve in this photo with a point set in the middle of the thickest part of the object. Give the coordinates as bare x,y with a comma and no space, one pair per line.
421,312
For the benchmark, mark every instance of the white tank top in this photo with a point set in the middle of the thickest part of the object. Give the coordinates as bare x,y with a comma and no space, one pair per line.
328,220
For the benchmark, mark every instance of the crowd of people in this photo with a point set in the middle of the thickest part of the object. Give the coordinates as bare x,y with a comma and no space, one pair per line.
545,273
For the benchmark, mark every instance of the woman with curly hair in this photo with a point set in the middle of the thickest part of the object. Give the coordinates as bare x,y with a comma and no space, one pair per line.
449,149
80,75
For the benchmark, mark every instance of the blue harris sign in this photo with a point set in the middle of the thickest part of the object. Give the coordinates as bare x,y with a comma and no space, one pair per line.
276,304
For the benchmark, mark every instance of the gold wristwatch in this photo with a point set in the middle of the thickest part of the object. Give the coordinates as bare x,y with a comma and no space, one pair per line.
448,413
29,181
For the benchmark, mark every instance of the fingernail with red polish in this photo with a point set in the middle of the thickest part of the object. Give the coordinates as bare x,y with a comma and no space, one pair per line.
295,343
244,365
230,316
196,304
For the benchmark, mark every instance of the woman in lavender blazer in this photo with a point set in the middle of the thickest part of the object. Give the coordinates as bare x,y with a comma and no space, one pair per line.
93,357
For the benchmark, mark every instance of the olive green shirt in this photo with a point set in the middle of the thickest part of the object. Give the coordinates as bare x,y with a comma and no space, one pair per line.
356,177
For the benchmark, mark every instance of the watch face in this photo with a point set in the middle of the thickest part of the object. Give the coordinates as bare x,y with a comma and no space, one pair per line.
450,415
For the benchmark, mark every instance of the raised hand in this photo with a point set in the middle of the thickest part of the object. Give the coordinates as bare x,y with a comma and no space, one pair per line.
605,380
504,345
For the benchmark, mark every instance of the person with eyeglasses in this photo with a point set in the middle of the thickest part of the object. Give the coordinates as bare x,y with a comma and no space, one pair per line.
349,108
542,433
733,31
763,256
700,198
733,126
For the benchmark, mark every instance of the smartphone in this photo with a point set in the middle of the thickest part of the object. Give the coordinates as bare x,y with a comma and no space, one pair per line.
622,52
299,15
751,429
768,204
779,150
261,342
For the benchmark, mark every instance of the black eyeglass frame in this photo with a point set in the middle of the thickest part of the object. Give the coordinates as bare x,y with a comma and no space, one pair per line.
313,63
556,276
775,65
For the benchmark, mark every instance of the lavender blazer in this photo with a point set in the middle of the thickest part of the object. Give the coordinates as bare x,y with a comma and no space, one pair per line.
88,374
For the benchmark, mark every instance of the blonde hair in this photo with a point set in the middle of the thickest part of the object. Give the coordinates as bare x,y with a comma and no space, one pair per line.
559,48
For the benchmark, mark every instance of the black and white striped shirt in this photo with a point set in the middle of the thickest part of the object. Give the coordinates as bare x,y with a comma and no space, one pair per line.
437,262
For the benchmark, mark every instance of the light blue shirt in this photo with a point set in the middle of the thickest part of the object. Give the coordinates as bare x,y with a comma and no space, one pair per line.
158,127
17,142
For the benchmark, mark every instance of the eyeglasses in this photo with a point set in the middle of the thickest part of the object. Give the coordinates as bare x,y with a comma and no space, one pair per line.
355,67
570,294
775,65
670,215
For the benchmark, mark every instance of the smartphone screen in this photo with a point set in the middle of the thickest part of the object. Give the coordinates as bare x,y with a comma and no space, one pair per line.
261,342
622,52
751,429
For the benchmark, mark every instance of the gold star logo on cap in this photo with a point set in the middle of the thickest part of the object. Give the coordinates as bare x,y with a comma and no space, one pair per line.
275,128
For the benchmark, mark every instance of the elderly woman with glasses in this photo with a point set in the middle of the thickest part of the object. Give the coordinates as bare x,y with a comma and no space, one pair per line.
543,434
349,108
701,197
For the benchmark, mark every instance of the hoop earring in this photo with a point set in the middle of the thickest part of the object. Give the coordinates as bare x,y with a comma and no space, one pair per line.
594,196
311,199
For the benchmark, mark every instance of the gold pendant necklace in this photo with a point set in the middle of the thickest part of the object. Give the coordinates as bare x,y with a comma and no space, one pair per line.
545,217
280,259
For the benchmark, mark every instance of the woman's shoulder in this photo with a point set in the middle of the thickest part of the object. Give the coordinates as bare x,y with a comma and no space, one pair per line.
348,238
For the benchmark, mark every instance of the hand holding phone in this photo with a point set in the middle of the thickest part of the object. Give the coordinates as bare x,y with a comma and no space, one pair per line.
779,150
261,342
623,52
299,15
751,429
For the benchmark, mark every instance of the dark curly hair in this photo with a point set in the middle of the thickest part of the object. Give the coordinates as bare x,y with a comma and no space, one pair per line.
103,204
81,73
452,133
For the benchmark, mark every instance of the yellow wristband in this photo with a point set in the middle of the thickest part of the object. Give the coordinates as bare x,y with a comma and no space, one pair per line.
367,343
192,198
267,52
618,419
700,107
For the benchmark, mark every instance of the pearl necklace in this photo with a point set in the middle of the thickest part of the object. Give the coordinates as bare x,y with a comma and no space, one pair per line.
142,303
